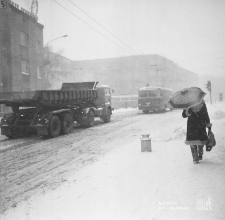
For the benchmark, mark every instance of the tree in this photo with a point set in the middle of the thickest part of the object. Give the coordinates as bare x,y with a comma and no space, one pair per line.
51,61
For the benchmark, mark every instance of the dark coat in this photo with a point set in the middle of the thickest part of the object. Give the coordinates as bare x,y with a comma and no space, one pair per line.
196,126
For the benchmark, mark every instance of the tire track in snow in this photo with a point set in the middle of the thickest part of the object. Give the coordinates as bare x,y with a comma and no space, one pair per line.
42,165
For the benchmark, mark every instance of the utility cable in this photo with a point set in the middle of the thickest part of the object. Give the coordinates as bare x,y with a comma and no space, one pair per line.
197,57
218,66
121,40
94,28
196,62
106,29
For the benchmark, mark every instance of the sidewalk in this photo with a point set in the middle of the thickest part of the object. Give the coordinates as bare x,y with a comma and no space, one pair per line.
130,184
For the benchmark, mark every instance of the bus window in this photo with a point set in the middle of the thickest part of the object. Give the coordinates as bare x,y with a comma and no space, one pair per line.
153,93
142,93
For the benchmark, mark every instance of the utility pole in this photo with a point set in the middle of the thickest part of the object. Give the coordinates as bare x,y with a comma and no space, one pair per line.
209,88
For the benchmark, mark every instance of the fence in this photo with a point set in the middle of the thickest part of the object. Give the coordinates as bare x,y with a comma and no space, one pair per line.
125,101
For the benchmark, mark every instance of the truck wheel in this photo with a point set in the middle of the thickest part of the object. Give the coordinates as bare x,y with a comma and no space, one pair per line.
106,118
66,124
163,109
145,111
54,127
90,119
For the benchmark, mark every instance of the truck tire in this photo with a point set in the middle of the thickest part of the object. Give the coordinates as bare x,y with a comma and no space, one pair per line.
66,123
9,136
163,109
106,118
145,111
90,119
54,127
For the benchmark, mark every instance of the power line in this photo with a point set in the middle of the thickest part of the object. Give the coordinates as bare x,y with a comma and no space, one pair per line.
191,58
90,26
215,66
105,29
196,63
95,29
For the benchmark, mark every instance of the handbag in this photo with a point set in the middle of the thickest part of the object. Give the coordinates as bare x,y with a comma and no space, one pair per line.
211,141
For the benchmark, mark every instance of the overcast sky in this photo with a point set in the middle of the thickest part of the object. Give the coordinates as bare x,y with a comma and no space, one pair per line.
189,32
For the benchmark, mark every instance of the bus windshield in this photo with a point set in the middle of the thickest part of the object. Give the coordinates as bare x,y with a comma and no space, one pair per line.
153,93
149,93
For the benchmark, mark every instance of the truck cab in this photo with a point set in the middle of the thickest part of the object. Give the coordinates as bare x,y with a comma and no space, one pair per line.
103,102
104,96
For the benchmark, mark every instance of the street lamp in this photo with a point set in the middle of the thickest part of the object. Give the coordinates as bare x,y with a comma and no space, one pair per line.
55,39
51,41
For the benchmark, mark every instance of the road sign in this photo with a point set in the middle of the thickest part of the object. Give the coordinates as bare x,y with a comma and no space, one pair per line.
3,3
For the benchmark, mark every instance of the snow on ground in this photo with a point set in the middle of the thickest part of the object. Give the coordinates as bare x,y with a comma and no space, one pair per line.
129,184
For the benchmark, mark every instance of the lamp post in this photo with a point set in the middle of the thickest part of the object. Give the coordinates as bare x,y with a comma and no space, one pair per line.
55,39
46,50
51,41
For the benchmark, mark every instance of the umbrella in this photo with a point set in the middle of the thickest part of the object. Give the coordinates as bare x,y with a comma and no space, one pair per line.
187,97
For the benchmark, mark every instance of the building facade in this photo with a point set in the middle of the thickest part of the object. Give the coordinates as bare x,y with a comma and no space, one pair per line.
124,74
127,74
21,47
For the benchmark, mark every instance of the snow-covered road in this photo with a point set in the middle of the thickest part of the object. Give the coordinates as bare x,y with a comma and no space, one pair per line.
121,182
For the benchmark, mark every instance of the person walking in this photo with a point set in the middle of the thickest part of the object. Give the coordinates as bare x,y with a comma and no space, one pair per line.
198,121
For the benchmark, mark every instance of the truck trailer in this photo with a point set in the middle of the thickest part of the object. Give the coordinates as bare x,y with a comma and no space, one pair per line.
53,112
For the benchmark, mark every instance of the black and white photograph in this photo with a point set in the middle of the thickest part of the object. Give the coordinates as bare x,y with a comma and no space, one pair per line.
112,110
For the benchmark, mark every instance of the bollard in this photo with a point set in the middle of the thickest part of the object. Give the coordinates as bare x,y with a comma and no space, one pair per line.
146,143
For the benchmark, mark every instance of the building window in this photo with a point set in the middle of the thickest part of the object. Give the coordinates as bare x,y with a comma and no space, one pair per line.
38,46
25,67
23,39
38,72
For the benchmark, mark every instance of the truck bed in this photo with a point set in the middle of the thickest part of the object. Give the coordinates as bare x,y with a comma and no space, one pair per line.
49,97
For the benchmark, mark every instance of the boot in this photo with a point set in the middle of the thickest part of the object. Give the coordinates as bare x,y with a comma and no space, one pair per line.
194,153
200,151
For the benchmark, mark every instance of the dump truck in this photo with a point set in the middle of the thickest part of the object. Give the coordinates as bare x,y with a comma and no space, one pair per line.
53,112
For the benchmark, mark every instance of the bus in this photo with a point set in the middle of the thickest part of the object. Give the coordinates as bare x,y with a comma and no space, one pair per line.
154,99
